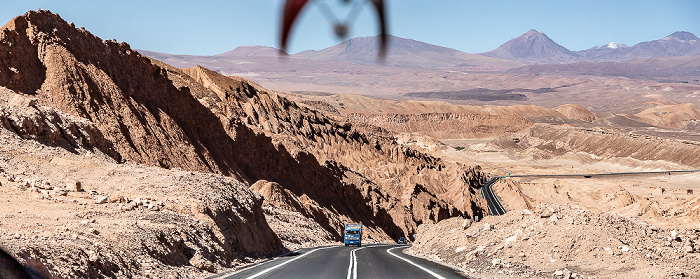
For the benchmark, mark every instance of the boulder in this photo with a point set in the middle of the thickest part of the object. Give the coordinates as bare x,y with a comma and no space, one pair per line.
74,186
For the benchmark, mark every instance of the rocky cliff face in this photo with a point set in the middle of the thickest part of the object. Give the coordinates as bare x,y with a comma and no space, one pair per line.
49,126
446,125
363,157
128,98
145,112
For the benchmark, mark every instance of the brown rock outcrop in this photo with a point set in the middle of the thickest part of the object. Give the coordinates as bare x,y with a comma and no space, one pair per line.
673,116
364,157
574,111
49,126
157,115
557,140
446,125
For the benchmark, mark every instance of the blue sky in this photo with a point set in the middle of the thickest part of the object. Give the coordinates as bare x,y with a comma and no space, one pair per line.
212,27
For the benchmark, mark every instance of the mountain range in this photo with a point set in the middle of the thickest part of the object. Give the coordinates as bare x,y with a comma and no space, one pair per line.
537,48
533,47
403,53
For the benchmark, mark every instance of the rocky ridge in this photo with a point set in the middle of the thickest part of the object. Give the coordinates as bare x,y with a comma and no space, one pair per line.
26,118
81,214
445,125
546,141
143,112
387,173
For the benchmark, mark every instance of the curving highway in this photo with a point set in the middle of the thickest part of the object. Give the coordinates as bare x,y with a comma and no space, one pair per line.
494,205
368,261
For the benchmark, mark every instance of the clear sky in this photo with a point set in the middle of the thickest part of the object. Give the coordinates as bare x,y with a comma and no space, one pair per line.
214,26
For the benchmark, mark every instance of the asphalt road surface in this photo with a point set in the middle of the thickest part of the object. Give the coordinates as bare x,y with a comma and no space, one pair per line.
494,205
589,175
368,261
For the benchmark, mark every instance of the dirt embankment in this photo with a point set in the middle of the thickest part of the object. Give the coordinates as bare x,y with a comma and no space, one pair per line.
560,241
81,214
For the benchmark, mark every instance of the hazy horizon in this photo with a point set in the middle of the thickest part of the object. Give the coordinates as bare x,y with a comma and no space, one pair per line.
180,27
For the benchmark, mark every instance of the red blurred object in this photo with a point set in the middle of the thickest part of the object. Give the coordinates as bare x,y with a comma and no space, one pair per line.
292,8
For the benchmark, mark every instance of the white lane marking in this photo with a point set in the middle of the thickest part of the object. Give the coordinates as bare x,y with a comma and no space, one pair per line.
415,264
502,209
352,268
289,261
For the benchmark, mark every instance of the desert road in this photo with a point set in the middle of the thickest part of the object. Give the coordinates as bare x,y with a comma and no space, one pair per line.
494,205
589,175
368,261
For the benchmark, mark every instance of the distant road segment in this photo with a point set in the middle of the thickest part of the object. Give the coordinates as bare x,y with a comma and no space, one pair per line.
589,175
494,205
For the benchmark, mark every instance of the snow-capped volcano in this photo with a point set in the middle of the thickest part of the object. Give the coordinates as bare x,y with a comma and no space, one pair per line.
611,45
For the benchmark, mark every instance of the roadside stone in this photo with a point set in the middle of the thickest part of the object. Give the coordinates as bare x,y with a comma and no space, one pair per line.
116,199
60,192
688,249
201,263
74,186
546,213
466,224
130,206
93,231
46,185
101,200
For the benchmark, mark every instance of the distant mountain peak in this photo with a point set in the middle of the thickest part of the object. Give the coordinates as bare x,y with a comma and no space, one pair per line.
681,36
532,45
611,45
243,51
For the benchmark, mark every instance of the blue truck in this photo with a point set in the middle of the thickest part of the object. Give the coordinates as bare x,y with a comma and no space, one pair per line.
353,235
